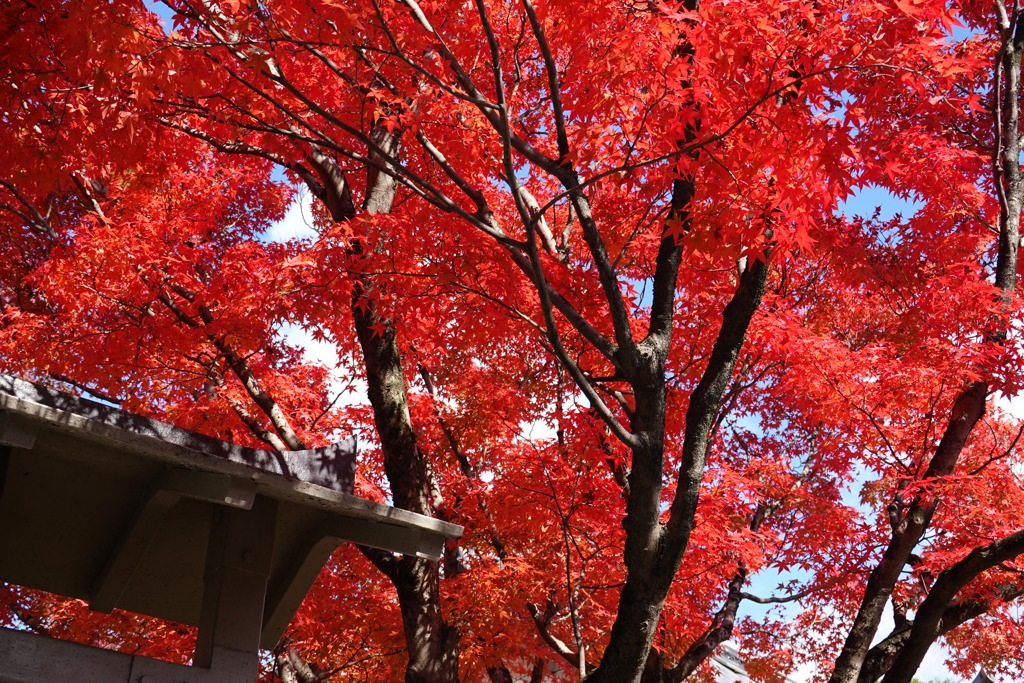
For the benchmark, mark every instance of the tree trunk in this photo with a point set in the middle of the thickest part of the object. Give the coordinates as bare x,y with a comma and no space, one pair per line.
433,645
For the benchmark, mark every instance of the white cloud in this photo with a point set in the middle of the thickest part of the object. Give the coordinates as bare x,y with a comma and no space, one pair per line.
1014,406
323,352
297,223
537,431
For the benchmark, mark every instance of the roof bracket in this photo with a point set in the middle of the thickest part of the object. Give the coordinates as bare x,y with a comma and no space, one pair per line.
173,485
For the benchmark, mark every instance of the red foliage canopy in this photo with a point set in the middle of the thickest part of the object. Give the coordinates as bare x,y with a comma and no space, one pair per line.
589,262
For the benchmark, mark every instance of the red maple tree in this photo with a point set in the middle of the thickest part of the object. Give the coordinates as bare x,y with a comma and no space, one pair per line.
618,221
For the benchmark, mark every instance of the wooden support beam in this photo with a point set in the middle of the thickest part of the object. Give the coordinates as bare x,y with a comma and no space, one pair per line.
296,580
16,432
173,485
238,564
